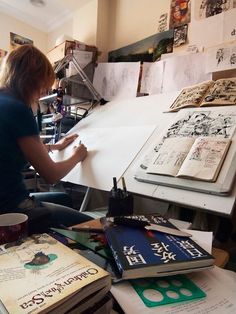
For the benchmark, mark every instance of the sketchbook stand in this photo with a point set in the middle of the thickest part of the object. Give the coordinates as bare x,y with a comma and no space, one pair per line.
97,98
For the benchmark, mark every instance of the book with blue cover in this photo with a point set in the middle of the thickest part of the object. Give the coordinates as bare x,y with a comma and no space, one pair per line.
142,253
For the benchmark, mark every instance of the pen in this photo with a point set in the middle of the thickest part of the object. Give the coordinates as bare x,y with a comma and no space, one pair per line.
80,142
124,187
114,184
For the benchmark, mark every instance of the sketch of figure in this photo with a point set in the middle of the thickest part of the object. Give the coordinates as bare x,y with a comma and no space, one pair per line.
233,59
219,55
213,7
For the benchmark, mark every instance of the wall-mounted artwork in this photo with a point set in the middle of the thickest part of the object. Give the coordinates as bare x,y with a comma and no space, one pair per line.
162,23
180,35
180,12
148,50
2,55
18,40
207,8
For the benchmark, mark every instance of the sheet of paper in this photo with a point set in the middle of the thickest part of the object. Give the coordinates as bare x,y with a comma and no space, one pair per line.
217,283
229,25
203,238
206,32
221,57
117,80
103,161
185,70
204,9
152,76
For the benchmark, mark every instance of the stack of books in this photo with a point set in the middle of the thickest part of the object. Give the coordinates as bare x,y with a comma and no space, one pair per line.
41,275
140,250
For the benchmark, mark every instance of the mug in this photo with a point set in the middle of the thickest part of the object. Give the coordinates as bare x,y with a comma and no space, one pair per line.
13,227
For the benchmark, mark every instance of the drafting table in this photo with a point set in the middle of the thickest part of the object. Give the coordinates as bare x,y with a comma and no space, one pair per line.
116,135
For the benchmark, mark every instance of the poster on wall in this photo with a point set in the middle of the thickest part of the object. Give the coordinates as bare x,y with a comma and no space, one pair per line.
180,35
2,55
18,40
207,8
162,23
149,49
180,13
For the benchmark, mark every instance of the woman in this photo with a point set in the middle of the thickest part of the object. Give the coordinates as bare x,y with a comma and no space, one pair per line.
26,75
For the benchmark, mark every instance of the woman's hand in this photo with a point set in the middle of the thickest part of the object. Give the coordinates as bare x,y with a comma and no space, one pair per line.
80,152
65,141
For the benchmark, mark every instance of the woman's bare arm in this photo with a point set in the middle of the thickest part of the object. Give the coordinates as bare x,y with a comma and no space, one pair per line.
36,154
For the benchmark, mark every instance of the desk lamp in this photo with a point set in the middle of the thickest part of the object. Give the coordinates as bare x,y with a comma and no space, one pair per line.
70,58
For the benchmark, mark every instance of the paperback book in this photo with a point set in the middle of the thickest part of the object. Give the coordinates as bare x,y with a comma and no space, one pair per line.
41,275
141,253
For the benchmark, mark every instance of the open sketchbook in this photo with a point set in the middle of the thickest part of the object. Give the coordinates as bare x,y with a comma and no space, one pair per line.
208,93
198,159
197,123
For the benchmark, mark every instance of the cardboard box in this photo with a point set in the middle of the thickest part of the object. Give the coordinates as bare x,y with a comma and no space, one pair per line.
64,48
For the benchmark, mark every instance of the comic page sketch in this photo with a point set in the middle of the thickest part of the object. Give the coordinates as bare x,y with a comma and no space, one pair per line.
185,70
152,76
221,57
117,80
193,124
207,8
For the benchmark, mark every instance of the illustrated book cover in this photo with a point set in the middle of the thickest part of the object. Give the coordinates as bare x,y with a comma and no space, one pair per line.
41,275
187,157
208,93
143,253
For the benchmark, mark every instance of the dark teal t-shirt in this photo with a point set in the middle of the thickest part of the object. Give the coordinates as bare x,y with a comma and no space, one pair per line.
16,120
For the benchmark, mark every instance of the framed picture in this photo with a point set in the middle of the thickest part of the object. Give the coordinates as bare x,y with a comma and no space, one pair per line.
146,50
180,35
18,40
180,13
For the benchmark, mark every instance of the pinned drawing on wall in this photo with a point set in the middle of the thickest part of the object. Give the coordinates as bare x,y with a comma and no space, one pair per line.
18,40
162,23
180,35
207,8
152,76
2,55
148,49
229,26
221,57
117,80
180,12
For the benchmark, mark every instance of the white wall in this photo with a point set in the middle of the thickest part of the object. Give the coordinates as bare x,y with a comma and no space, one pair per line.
85,23
64,29
134,20
9,24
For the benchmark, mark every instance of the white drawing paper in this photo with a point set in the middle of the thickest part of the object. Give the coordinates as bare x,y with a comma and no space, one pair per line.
117,80
184,70
103,161
152,76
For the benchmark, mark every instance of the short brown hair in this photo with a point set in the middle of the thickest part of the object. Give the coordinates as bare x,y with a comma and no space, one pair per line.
25,71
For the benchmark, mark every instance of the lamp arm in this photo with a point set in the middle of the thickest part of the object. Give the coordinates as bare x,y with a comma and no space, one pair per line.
86,80
70,58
